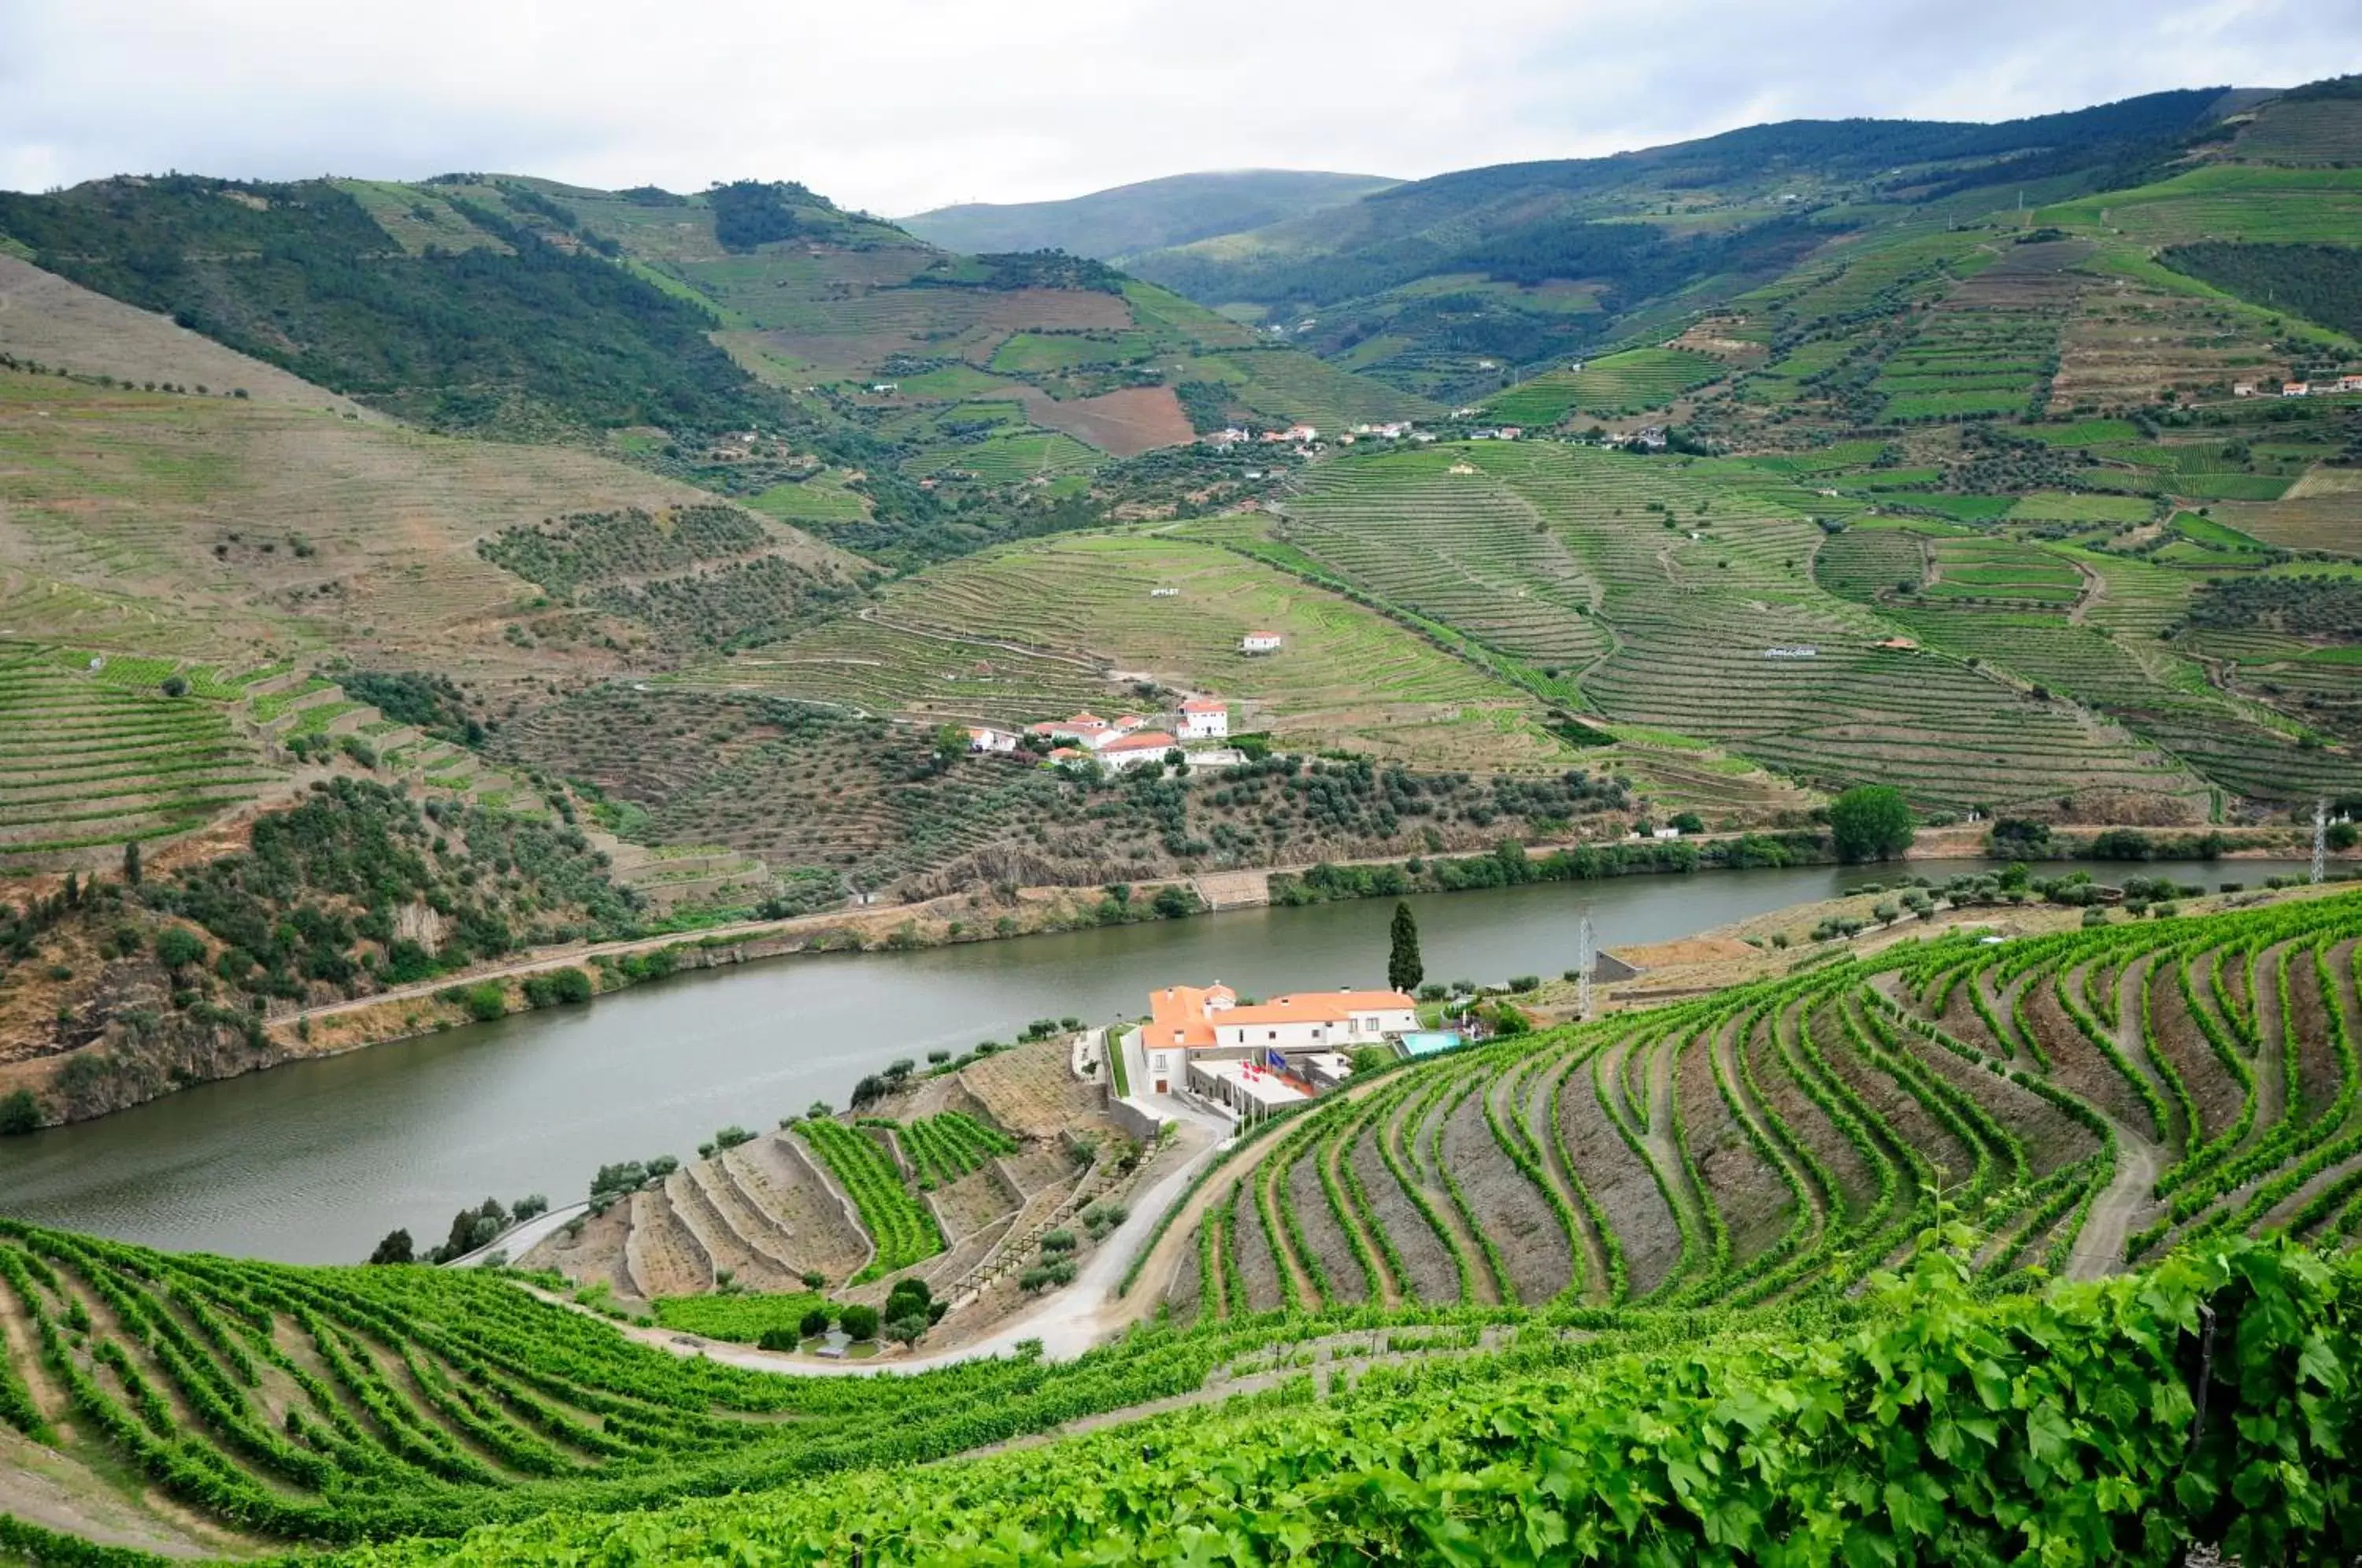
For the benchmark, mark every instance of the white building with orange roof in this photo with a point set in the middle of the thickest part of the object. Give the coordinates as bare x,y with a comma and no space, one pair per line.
1131,750
1207,1024
1205,718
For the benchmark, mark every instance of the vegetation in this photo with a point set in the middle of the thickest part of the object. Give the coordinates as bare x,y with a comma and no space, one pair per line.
520,333
1404,969
1806,1205
1869,823
902,1230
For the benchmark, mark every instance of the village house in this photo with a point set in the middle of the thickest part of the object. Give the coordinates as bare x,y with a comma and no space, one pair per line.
2295,389
1202,1035
1087,729
1259,643
982,738
2349,383
1131,750
2243,389
1205,718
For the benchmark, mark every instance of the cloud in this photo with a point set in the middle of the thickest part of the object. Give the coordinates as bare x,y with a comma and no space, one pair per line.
899,105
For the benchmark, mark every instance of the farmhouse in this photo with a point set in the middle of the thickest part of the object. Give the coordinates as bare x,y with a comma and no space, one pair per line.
2349,383
2295,389
1131,750
1087,729
1205,718
1202,1036
2243,389
1259,643
982,738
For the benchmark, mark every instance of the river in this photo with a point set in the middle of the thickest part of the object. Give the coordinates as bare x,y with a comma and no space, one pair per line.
314,1162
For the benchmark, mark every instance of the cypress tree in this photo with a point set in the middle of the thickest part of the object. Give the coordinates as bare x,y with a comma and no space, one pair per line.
131,864
1403,970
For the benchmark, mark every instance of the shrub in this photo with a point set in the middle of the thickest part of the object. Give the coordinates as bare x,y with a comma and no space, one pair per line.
814,1323
19,1113
486,1001
1059,1241
859,1322
177,947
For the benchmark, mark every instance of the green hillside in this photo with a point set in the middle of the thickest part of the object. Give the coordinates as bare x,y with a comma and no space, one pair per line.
1149,215
1419,282
1676,1281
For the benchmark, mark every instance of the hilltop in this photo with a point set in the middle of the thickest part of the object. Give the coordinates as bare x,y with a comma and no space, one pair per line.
1522,263
1150,214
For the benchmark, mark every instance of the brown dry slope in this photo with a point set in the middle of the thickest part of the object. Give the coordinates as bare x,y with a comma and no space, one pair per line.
214,526
65,327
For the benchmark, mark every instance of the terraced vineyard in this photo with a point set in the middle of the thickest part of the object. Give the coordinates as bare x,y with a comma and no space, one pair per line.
903,1231
93,758
1701,604
1629,383
2087,1100
1036,630
1616,1230
945,1147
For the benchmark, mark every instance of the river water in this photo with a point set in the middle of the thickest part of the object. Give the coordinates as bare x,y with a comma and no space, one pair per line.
314,1162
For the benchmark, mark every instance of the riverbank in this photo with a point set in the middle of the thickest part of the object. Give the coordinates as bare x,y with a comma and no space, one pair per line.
537,980
317,1161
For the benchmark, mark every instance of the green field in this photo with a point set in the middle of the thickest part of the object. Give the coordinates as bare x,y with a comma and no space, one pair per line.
1621,384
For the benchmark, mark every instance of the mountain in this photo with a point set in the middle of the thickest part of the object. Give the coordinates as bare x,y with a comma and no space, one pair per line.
1149,215
1524,262
753,338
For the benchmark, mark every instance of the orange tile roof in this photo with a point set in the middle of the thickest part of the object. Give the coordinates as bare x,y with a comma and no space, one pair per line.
1205,705
1146,740
1187,1015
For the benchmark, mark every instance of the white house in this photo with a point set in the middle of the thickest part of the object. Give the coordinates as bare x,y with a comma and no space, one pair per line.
1205,718
1300,434
1131,750
2349,383
2243,389
1186,1022
1259,643
984,739
2294,389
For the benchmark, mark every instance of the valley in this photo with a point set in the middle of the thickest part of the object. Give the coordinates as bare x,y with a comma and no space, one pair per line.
1862,618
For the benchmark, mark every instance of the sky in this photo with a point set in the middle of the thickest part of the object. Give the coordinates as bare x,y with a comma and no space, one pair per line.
896,106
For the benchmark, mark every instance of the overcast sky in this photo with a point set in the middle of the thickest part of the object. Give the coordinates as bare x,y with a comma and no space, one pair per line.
894,106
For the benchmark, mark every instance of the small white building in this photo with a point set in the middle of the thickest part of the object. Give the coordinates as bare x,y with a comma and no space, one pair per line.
1260,643
1205,718
2295,389
2243,389
982,738
1665,833
2349,383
